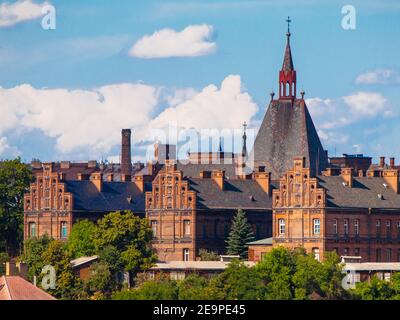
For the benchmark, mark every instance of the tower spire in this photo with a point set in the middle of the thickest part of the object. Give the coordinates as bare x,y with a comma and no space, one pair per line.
287,75
244,137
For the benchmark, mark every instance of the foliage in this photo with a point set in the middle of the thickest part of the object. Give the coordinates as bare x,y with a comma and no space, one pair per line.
101,279
150,290
240,234
14,182
193,287
129,237
206,255
3,259
378,289
32,256
80,240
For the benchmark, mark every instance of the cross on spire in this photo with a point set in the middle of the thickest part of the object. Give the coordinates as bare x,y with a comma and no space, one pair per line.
288,24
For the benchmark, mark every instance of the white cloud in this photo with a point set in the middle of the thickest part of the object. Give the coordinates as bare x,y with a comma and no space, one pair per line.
213,107
3,144
88,122
192,41
379,76
22,10
78,118
367,104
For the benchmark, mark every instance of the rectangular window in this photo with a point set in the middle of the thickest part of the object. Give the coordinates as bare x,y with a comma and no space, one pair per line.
335,229
186,226
32,229
378,227
346,251
154,225
398,229
398,255
186,254
388,228
63,230
389,255
316,253
357,227
378,255
316,226
346,227
282,226
357,251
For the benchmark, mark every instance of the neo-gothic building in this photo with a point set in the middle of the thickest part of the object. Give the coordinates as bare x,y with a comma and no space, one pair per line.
292,195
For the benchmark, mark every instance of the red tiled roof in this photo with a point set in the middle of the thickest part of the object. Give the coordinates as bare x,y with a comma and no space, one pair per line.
17,288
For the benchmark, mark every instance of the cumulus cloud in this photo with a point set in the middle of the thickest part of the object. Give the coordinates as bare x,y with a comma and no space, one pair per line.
88,122
22,10
367,104
213,107
78,118
379,76
193,41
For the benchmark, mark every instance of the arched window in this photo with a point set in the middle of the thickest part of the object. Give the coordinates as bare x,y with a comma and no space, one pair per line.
287,89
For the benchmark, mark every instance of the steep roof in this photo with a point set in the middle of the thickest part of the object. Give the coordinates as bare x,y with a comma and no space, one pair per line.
288,131
17,288
114,196
245,194
363,194
192,170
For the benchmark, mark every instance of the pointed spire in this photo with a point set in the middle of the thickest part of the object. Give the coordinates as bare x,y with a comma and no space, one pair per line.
220,145
287,60
244,137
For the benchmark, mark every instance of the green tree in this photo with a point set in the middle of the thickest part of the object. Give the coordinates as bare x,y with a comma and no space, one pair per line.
374,290
80,241
237,282
150,290
101,279
67,284
193,287
14,182
32,256
128,239
240,234
206,255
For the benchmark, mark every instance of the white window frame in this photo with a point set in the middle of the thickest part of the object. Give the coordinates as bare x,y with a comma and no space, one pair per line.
281,227
316,226
335,226
63,226
346,227
32,226
154,227
186,254
357,226
187,228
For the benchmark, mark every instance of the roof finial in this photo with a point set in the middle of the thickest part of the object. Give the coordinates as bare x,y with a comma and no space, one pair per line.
220,145
244,146
288,25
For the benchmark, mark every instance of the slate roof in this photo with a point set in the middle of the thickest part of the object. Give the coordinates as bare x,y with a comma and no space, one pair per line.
17,288
287,131
363,194
266,241
287,60
114,196
193,170
245,194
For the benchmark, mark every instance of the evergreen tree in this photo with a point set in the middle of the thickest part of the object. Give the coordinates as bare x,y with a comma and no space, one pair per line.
240,234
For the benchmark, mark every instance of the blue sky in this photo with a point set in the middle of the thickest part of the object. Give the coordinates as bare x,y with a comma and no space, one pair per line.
51,78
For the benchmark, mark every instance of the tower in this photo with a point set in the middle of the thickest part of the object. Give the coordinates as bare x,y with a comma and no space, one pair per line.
287,130
126,163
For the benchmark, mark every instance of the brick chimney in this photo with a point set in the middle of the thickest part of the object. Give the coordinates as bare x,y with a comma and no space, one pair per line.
97,180
391,177
392,163
218,176
110,177
264,181
126,163
381,162
347,175
139,182
126,177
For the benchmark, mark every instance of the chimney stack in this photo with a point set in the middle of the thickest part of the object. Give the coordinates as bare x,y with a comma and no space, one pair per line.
391,177
347,175
110,177
126,163
381,162
218,176
392,163
97,180
264,181
139,182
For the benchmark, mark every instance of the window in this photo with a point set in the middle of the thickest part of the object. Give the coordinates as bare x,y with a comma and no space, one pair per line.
335,230
388,228
346,251
186,226
177,275
316,226
316,253
389,255
378,227
154,225
346,227
398,229
357,227
32,229
398,255
282,226
63,230
357,251
378,255
186,254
